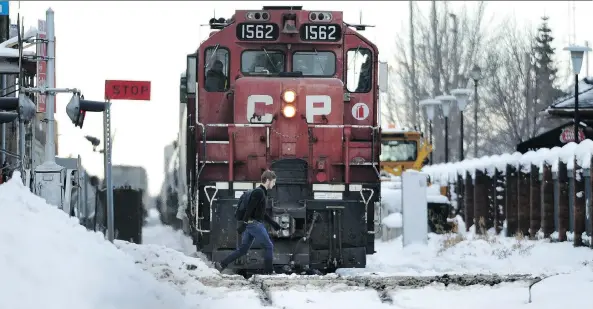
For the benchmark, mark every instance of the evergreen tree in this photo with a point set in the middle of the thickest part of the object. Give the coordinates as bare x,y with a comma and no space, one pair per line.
545,68
544,75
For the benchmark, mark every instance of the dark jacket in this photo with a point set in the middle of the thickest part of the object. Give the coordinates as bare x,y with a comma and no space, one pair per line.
215,81
256,208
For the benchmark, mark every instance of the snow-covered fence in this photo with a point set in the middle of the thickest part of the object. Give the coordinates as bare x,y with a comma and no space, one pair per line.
548,191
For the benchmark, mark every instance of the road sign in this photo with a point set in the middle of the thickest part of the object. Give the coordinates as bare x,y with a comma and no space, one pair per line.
4,8
127,90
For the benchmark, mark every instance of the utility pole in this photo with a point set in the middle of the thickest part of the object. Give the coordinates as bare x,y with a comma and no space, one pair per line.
49,175
415,112
4,35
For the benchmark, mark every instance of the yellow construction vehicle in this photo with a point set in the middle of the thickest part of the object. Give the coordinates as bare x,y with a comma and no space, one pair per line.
403,149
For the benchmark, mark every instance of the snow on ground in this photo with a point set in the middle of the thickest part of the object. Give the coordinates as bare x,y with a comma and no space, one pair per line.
48,260
452,254
156,233
185,274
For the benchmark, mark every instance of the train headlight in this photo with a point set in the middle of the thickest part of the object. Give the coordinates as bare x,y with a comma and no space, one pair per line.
289,96
289,110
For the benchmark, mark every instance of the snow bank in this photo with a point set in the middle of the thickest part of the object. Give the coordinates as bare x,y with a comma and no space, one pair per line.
50,261
165,235
445,173
456,254
393,221
186,274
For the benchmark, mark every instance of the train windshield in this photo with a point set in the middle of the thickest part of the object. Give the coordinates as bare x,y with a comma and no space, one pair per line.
264,62
314,63
392,151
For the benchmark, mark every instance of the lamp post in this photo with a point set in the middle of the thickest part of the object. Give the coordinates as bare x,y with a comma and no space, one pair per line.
576,57
462,95
430,105
476,75
446,101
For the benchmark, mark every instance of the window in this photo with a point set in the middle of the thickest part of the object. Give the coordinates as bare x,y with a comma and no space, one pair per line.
393,151
217,69
359,70
313,63
262,62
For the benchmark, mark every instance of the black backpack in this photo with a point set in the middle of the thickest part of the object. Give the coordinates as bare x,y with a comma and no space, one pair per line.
242,205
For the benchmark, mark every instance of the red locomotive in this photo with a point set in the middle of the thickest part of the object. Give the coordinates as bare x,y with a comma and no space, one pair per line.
294,91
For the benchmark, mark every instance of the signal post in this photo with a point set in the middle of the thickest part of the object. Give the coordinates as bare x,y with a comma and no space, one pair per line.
77,109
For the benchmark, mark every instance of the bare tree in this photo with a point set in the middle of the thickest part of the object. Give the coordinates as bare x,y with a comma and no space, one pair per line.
443,57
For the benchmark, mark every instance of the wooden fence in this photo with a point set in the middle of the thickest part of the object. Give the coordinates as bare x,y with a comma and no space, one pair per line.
538,194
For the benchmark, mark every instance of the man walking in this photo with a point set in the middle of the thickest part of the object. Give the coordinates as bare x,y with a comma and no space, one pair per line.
252,226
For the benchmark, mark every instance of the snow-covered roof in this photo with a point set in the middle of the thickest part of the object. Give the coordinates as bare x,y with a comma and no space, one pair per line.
585,96
448,172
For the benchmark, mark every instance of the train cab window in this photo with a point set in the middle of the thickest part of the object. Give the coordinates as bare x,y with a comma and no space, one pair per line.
359,70
314,63
255,62
398,151
217,69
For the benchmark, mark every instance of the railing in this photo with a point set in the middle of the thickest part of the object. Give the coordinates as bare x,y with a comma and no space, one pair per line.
547,193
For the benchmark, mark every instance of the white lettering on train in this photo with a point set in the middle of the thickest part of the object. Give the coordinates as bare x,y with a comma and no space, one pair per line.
318,105
315,105
254,99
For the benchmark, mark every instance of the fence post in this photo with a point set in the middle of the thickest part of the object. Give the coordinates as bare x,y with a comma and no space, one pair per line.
512,200
579,210
481,202
547,215
563,209
589,203
499,185
523,200
535,199
469,200
460,185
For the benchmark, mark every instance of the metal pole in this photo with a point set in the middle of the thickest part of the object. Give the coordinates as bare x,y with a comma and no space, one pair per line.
108,183
461,155
446,139
22,134
50,144
431,143
4,124
475,118
576,108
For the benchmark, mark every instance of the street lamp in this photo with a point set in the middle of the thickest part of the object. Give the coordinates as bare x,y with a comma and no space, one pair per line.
462,95
430,105
446,101
576,56
476,75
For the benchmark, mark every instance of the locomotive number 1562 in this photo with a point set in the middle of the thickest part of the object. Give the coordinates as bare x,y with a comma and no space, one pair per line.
320,32
257,32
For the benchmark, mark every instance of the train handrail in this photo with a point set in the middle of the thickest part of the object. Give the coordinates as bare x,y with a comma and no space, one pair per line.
210,201
366,204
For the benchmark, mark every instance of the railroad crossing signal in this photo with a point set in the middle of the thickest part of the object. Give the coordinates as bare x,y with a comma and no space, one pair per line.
8,117
23,106
78,106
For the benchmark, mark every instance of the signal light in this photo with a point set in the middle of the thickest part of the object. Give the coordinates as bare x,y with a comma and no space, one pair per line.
289,110
24,107
289,96
78,106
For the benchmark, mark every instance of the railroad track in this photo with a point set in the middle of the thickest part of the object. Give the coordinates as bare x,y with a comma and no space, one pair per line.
264,285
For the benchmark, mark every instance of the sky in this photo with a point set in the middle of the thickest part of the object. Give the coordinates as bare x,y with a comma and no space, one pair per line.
99,40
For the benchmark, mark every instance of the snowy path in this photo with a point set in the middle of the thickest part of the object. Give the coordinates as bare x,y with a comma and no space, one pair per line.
382,284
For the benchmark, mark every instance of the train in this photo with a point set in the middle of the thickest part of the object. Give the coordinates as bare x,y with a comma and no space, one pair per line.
294,91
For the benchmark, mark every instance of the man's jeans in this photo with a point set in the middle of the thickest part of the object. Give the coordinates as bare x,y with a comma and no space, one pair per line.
254,231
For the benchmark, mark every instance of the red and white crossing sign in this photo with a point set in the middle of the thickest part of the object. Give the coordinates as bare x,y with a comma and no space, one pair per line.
42,66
